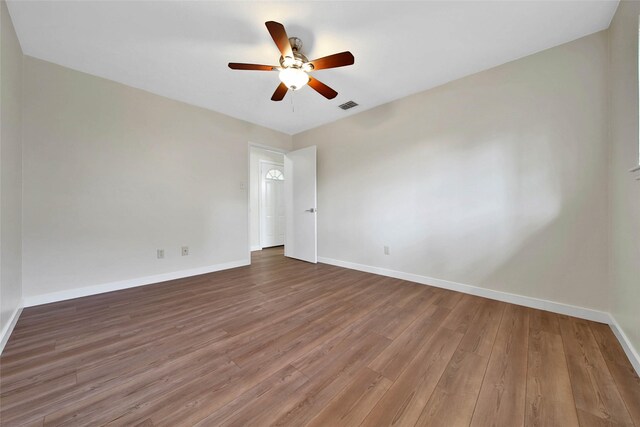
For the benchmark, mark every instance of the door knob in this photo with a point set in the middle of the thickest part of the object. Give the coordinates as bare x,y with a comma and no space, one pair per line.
312,210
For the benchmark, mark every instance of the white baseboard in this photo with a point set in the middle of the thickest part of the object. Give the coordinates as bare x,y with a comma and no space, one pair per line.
256,248
541,304
556,307
6,331
628,348
130,283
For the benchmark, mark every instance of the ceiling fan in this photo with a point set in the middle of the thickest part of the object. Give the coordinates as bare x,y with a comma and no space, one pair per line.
294,66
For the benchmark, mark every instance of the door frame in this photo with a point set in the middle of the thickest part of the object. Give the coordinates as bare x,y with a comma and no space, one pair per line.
261,191
251,145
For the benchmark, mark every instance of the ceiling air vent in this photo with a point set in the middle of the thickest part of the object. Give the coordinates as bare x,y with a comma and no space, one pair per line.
347,105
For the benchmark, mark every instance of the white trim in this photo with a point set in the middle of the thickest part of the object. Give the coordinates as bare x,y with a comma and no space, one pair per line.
570,310
541,304
271,162
6,331
130,283
628,348
268,148
256,248
249,201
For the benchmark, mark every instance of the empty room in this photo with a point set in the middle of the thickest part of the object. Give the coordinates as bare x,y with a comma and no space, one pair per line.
319,213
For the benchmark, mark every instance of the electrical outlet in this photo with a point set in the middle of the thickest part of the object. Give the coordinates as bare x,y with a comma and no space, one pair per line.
386,250
160,253
185,250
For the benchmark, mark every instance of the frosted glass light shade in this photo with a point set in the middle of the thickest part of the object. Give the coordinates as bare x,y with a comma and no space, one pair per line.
294,78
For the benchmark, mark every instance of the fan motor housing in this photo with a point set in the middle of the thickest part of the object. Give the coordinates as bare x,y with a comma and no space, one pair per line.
296,44
298,58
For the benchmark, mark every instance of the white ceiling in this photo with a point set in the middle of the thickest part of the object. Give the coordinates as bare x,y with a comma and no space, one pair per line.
180,49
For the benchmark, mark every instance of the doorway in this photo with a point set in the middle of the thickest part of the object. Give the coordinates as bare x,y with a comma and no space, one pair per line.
258,158
282,201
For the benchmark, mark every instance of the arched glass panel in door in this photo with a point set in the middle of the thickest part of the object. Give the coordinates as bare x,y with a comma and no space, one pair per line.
275,175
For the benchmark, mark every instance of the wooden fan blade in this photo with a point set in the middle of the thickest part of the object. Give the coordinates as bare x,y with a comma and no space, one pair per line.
280,92
279,35
322,88
252,67
341,59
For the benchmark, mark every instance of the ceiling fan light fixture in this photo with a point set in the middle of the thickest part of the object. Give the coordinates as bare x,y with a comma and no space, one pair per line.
295,66
293,78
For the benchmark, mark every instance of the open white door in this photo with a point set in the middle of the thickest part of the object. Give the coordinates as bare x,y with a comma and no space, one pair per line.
300,204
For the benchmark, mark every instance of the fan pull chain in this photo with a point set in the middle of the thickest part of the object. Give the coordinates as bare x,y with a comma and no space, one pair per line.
293,109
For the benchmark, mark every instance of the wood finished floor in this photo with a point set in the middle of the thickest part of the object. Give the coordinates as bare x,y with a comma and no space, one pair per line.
283,342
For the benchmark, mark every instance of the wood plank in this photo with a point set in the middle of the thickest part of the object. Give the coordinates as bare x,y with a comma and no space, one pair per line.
463,314
353,404
260,405
405,314
328,376
481,334
621,370
549,395
544,321
594,389
114,403
403,403
587,419
455,396
396,357
502,397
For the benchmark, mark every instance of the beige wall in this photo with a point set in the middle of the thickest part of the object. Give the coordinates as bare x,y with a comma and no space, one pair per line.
11,171
112,173
625,190
497,180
